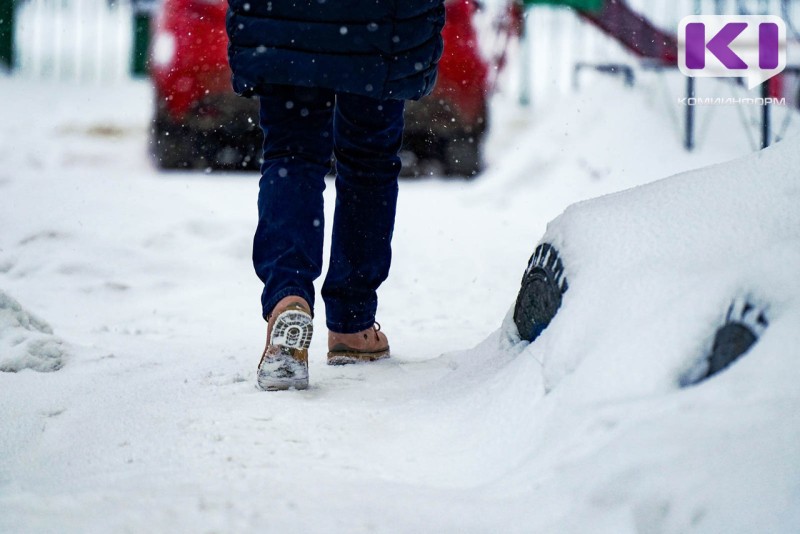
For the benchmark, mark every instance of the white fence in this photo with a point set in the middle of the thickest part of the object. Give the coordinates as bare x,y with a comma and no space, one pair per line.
74,40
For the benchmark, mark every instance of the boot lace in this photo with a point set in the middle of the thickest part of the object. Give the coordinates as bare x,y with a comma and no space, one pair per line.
375,328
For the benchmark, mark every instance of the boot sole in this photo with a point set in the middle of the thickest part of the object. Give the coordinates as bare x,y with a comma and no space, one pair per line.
284,364
350,357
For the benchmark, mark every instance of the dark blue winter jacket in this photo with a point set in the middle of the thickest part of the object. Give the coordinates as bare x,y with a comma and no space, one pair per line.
386,49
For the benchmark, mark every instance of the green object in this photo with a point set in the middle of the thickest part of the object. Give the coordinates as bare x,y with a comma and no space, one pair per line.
7,33
583,5
141,43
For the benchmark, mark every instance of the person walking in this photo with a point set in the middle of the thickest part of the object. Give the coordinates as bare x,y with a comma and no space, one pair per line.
331,77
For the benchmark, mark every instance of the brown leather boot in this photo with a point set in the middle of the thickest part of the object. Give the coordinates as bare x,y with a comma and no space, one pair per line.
366,346
284,363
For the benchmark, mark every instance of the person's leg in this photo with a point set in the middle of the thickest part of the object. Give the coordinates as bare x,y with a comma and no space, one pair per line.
298,143
367,138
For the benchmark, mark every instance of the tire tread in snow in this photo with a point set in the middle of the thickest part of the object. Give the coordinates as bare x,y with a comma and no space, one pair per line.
539,298
745,322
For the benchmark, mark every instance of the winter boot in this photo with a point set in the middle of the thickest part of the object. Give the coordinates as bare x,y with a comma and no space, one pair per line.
366,346
744,324
284,364
540,295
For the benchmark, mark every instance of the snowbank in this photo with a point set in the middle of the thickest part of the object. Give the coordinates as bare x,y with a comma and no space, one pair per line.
652,272
26,342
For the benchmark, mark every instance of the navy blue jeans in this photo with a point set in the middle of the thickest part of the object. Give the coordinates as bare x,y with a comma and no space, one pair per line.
302,128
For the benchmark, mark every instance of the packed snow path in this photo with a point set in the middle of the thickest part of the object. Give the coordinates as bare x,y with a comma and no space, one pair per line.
154,423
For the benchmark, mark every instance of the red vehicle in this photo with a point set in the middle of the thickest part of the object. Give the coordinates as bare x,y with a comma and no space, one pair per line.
448,126
199,122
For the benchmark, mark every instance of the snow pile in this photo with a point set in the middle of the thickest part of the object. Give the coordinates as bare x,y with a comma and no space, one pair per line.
652,273
653,270
26,342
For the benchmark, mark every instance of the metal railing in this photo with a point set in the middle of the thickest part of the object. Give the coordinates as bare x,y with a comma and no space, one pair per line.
559,46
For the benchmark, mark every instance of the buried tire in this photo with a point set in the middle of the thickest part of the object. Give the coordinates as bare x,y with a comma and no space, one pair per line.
744,324
539,298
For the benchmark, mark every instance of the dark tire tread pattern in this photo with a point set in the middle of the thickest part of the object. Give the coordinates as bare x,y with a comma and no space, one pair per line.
539,298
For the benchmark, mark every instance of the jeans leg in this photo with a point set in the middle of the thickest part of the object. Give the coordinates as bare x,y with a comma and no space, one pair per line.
367,138
298,143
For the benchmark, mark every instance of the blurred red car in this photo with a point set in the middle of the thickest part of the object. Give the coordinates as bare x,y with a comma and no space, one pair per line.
199,122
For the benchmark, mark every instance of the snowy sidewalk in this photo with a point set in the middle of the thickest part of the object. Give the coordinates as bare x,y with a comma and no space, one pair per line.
154,423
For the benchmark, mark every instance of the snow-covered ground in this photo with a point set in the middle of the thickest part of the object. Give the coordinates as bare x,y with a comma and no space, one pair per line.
153,422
